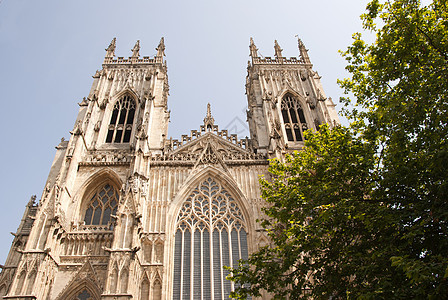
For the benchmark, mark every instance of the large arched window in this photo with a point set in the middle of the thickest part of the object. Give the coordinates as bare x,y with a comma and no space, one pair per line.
211,233
102,205
293,118
120,126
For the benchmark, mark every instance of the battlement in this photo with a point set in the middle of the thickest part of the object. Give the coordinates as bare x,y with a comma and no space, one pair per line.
208,126
173,144
277,60
132,60
110,59
303,58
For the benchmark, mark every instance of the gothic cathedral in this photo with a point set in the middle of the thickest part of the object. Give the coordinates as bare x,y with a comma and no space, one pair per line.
128,213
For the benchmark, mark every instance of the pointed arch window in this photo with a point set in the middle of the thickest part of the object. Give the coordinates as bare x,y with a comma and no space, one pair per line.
293,118
120,126
102,205
211,233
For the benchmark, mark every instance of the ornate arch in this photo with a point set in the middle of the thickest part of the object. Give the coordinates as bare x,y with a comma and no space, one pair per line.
200,175
126,91
110,128
210,230
85,288
299,97
84,285
99,186
293,115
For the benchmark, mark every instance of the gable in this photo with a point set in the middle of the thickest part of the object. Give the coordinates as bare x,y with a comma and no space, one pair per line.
208,148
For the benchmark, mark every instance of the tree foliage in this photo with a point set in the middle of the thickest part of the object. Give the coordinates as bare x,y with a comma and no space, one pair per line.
362,211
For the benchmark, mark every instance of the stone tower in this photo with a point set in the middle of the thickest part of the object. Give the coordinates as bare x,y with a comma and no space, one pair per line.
128,213
285,98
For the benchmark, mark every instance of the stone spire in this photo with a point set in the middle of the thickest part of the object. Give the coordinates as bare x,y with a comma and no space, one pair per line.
161,48
278,50
209,122
110,51
303,52
136,50
253,48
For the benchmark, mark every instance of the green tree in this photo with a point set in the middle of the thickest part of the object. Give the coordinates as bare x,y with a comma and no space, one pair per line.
362,211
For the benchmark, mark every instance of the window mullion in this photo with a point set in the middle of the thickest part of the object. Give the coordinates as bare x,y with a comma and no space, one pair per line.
117,121
192,262
125,124
232,284
182,249
221,264
202,264
291,124
296,111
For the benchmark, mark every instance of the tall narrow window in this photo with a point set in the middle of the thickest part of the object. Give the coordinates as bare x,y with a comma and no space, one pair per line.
293,118
120,126
102,205
210,234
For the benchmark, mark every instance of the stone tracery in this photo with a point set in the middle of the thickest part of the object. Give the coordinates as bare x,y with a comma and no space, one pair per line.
211,233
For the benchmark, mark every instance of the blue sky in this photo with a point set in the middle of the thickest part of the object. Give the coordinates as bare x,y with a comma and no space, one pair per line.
50,49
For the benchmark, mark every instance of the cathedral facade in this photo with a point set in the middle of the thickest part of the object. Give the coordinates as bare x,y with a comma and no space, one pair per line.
128,213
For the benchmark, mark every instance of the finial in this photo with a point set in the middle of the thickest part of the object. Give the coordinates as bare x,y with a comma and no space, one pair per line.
208,120
161,48
32,201
303,51
209,111
110,51
278,50
136,49
253,48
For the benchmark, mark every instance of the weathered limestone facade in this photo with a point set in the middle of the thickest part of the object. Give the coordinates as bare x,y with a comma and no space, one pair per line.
128,213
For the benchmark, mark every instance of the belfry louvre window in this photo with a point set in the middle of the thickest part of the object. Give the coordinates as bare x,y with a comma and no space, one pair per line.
120,126
102,205
211,233
293,118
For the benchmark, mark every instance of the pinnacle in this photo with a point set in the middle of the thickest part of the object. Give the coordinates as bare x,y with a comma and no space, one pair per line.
208,120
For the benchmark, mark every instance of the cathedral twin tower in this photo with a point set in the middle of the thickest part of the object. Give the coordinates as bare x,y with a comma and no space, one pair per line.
127,213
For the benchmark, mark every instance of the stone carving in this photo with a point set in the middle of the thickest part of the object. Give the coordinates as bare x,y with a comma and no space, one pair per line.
97,126
278,50
106,157
77,130
310,103
110,51
161,48
103,103
136,50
